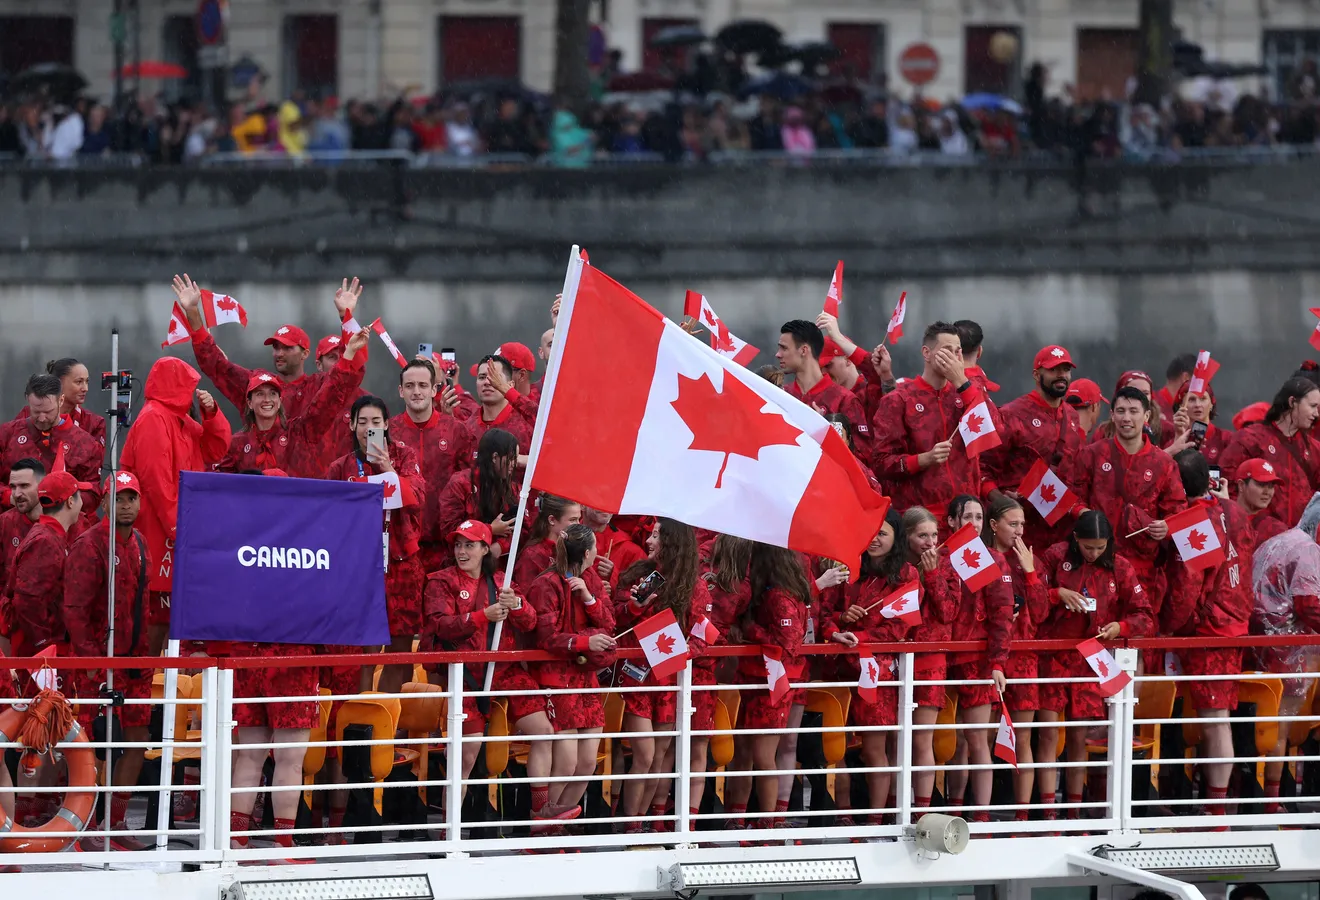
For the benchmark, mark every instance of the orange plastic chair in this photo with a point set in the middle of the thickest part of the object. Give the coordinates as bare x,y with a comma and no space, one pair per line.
382,714
314,758
1154,701
726,715
1299,731
832,704
183,713
497,725
945,741
420,715
1266,693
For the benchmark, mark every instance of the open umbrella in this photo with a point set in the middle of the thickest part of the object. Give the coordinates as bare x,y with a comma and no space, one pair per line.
748,36
56,79
992,102
678,36
153,68
813,53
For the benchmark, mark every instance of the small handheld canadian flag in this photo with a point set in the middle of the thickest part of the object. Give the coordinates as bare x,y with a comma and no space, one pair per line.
978,429
1006,739
776,676
705,630
1315,332
1205,370
895,329
869,679
1195,538
1047,493
835,295
970,558
393,495
399,358
222,309
1102,663
178,330
722,341
903,604
663,643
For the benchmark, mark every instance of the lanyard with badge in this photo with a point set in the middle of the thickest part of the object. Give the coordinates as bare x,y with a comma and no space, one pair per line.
385,531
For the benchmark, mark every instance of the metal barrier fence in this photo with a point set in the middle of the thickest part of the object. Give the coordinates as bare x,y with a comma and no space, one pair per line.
421,730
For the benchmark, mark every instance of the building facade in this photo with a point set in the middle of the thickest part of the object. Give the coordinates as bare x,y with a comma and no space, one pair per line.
367,48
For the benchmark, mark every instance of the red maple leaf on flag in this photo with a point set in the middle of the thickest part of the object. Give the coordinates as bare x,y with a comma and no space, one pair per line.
1196,540
729,421
709,317
971,559
664,644
973,423
1047,493
723,340
174,326
872,670
389,489
226,303
1102,668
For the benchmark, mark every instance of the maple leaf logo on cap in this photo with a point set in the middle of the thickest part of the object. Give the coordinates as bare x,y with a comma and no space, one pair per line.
971,559
974,423
334,340
124,478
1196,540
664,643
467,524
1267,467
1056,352
265,377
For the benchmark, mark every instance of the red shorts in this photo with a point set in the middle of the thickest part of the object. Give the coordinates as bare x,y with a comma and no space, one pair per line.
509,677
931,667
659,707
1075,702
158,607
703,701
1023,697
404,583
572,712
884,711
87,686
292,681
1212,661
971,695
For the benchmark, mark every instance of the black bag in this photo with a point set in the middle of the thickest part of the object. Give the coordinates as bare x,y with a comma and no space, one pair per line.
361,809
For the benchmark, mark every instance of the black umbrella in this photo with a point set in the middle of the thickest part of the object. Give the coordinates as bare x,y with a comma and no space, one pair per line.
776,56
748,36
54,79
679,36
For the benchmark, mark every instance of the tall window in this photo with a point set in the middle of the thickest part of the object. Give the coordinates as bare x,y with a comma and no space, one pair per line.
311,54
480,47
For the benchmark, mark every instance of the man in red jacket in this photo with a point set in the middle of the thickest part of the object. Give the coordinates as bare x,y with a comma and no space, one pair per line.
1135,484
432,435
1037,426
180,429
868,375
1178,373
800,346
15,523
543,353
1254,482
44,432
502,406
523,364
1084,397
86,615
915,426
36,582
1214,602
971,339
404,576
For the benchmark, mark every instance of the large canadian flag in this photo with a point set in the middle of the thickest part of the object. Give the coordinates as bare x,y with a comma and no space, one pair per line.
1315,332
1195,537
722,340
978,429
675,429
970,558
1047,493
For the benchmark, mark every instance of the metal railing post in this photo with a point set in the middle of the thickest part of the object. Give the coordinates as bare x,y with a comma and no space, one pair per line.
210,761
683,751
1120,743
170,697
224,748
907,703
454,763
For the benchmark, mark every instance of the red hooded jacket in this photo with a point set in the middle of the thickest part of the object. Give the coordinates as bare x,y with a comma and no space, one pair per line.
1296,460
86,598
36,588
1215,602
163,442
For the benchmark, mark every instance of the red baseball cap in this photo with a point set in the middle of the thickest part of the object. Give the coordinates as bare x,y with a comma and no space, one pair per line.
829,352
1052,356
124,481
473,531
1254,412
57,487
331,344
517,354
1084,392
290,336
1257,470
261,379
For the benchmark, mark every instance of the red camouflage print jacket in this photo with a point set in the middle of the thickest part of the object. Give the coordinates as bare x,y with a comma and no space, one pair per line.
518,418
36,588
453,615
1296,460
83,454
984,615
14,526
435,443
405,523
86,598
1118,594
1214,602
835,399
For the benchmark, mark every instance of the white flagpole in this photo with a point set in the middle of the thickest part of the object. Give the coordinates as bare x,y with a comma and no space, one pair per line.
571,277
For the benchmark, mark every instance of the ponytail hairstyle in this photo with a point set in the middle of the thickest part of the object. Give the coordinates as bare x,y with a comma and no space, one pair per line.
729,560
1092,525
61,367
495,491
993,514
889,568
676,561
572,547
1293,390
549,507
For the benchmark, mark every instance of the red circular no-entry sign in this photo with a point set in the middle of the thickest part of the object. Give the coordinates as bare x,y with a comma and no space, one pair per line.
919,64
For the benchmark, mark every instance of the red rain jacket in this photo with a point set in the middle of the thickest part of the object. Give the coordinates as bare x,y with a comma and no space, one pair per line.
163,442
87,600
1296,460
1214,602
984,615
405,523
435,444
36,588
835,399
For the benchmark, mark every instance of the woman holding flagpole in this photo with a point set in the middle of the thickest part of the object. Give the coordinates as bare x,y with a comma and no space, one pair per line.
575,623
859,619
1031,603
923,536
1094,593
672,552
776,621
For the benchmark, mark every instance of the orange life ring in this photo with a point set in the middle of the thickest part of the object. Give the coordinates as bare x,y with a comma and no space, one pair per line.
63,829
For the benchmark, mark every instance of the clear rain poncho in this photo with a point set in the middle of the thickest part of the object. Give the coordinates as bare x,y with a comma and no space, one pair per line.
1285,567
